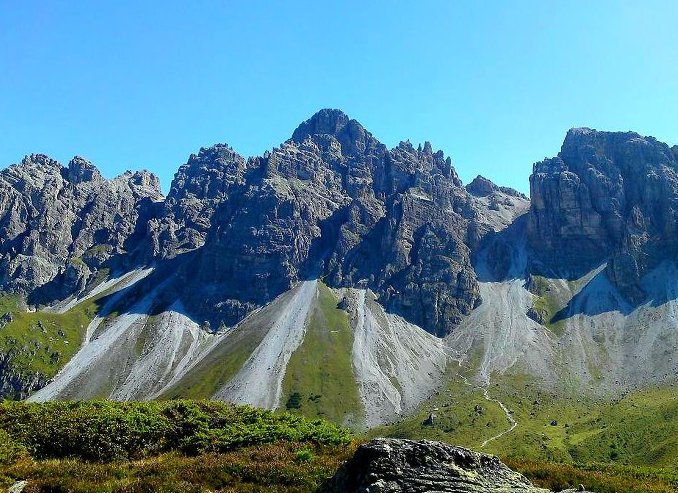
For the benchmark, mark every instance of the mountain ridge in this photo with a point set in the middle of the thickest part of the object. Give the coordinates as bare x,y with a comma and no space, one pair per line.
194,288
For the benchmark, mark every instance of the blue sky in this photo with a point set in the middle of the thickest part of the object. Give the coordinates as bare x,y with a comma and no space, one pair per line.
138,84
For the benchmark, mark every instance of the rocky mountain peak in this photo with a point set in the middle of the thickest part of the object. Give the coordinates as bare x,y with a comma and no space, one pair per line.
147,180
607,197
326,121
614,152
42,160
52,215
207,173
335,123
81,170
481,187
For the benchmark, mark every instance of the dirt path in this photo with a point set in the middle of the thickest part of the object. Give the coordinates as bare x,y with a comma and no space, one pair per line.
509,417
487,397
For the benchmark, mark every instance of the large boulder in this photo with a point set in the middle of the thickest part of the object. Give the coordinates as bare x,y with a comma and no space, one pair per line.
387,465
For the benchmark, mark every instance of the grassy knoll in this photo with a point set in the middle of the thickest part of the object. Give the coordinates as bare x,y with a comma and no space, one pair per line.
42,342
329,390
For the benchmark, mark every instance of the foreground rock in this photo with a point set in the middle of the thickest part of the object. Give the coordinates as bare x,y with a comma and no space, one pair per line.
389,465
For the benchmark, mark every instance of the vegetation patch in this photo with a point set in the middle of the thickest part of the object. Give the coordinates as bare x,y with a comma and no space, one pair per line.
92,446
462,417
319,379
640,429
102,430
220,365
272,467
601,478
42,342
550,297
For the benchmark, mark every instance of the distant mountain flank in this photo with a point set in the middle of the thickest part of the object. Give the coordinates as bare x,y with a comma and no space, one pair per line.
331,202
334,255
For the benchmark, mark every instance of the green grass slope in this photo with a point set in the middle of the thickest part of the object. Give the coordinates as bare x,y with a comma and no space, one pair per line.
41,342
639,429
223,361
319,380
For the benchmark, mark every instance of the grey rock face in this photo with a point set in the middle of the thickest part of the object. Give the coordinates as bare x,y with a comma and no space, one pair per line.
332,201
607,196
395,466
482,187
201,185
56,222
14,383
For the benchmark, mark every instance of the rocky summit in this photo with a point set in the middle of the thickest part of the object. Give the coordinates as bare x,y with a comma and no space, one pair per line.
334,255
60,224
388,465
331,202
607,197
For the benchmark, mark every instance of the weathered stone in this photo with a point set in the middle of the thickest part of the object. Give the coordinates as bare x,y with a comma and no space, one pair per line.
395,466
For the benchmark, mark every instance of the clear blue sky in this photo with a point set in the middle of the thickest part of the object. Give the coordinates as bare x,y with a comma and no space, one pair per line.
138,84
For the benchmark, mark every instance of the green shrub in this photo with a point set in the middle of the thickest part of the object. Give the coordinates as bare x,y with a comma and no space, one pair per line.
106,431
304,455
10,450
294,402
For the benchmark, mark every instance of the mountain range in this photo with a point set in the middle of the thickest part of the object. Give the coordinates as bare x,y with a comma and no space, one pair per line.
340,277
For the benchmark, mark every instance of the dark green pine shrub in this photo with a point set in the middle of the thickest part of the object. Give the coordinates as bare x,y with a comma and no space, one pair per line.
294,402
10,450
105,431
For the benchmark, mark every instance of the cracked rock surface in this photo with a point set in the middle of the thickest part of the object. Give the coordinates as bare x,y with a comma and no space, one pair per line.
388,465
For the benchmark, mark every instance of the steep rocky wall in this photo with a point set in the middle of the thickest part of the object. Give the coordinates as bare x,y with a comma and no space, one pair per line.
61,223
607,197
333,202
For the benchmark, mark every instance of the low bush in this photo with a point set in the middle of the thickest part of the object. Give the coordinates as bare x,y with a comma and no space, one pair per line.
10,450
106,431
601,478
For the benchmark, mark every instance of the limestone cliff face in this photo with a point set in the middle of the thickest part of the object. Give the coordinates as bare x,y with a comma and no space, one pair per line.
607,196
330,202
59,224
208,179
333,202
